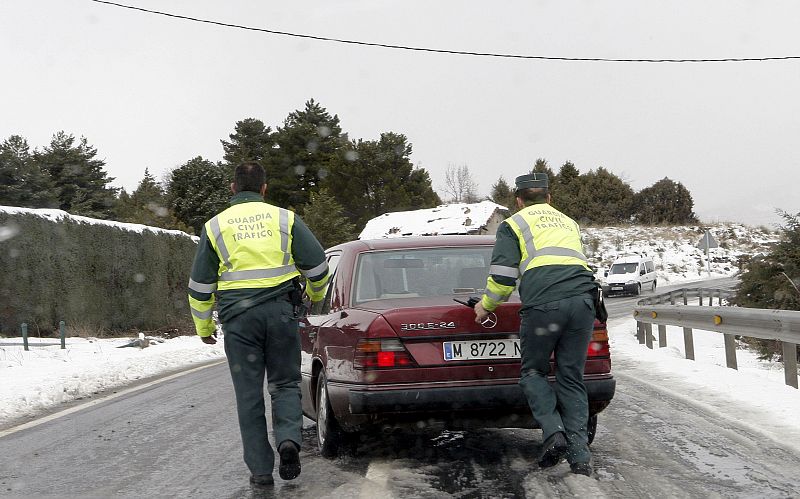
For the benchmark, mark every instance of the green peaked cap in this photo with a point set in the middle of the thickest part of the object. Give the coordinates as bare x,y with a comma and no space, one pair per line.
535,180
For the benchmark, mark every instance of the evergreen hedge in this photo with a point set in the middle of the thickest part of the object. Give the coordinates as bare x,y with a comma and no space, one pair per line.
100,278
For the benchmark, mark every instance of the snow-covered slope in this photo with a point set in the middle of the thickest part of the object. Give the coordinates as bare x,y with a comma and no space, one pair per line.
675,250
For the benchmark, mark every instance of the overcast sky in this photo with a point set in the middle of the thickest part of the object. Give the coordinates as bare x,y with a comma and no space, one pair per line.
151,91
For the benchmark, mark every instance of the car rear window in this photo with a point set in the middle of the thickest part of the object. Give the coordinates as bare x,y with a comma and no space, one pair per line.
422,272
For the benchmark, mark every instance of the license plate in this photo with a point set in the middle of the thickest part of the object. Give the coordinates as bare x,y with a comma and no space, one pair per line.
618,288
481,349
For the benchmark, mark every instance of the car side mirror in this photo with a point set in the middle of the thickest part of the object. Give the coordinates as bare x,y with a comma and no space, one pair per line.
605,274
641,272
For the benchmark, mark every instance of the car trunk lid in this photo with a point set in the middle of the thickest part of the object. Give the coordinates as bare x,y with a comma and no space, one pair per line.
442,332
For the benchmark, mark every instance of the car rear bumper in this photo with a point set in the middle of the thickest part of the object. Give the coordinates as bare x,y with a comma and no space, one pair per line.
375,404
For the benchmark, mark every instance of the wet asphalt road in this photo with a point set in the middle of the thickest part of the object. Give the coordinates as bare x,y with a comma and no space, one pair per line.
179,438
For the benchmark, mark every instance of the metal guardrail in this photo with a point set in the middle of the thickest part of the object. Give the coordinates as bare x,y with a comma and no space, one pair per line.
767,324
674,297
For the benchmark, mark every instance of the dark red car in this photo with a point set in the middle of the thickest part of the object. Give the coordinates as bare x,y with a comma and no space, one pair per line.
390,346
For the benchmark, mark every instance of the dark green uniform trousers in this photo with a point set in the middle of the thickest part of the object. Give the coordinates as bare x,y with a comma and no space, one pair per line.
564,327
265,339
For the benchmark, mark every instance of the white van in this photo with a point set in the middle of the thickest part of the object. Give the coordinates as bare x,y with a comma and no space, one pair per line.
630,275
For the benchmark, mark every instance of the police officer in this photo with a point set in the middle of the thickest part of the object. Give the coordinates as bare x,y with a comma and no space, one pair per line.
249,258
557,290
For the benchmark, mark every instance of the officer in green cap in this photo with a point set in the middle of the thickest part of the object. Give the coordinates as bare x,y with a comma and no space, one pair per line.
542,247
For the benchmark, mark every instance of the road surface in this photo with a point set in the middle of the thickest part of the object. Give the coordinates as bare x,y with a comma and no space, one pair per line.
179,438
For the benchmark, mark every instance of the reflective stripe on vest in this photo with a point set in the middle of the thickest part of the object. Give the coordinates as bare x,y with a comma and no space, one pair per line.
215,231
202,315
253,241
512,272
521,224
201,287
495,296
316,271
284,227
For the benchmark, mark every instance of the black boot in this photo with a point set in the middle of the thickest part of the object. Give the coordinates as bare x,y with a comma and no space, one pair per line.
290,460
582,468
261,481
553,450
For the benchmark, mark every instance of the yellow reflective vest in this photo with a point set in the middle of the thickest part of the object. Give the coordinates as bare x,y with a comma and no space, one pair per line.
253,242
546,237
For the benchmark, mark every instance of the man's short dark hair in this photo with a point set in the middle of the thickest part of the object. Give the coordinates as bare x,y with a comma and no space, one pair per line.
249,177
533,195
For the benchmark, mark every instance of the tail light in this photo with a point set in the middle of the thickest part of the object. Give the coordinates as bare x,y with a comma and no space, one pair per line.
598,347
383,353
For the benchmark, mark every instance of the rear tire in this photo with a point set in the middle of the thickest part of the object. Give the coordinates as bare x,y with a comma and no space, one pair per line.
591,429
330,435
638,289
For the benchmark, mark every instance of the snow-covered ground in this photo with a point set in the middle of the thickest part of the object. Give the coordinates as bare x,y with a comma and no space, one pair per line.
46,376
754,394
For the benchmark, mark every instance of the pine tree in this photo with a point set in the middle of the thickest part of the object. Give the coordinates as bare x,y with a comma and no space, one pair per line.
603,198
665,202
564,189
502,194
568,173
22,183
198,190
147,205
541,166
307,148
377,177
81,184
323,215
773,281
251,141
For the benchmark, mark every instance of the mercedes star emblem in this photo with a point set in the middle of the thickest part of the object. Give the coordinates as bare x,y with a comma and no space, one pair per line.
490,321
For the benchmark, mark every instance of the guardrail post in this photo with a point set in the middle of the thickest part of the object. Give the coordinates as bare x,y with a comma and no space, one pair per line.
685,298
662,336
63,331
688,342
720,297
790,363
730,351
648,335
700,296
672,298
640,332
25,336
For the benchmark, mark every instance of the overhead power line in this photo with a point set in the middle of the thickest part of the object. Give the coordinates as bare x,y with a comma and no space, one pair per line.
441,51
